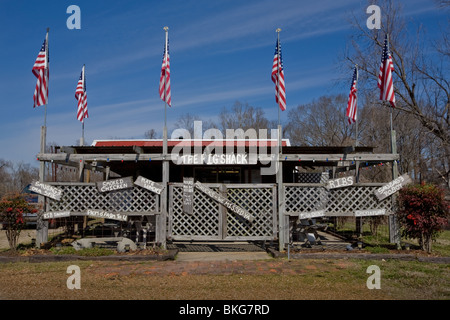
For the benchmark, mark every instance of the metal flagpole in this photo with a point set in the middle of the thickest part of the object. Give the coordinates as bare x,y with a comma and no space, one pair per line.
165,178
42,225
282,223
82,120
356,110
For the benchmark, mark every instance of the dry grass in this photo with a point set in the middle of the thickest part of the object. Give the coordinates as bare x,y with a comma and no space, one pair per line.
279,280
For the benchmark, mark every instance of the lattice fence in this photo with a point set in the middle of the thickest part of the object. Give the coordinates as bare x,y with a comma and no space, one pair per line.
203,224
211,221
335,202
312,177
77,198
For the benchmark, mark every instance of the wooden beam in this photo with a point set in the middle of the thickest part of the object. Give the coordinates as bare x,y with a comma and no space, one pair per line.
99,157
138,149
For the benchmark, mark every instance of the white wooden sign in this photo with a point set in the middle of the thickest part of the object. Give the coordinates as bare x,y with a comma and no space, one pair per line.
224,201
312,214
188,195
46,190
392,187
56,214
149,185
340,182
106,215
218,159
115,184
368,213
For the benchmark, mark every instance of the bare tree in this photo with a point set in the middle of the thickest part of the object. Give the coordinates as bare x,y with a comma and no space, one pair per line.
320,123
151,134
243,116
421,82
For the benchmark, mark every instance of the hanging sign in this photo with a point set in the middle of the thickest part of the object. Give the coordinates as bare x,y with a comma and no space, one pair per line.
46,190
56,214
312,214
218,159
149,185
340,182
106,215
115,184
392,187
368,213
224,201
188,195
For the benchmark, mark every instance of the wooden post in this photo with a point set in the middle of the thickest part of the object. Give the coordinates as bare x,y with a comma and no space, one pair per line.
161,219
283,227
42,225
223,212
359,220
394,232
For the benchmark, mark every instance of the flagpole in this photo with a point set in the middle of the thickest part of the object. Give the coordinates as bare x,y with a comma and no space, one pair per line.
166,29
42,225
82,121
278,30
356,111
278,73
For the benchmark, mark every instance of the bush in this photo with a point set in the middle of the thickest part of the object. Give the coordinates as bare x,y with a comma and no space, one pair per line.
12,210
423,213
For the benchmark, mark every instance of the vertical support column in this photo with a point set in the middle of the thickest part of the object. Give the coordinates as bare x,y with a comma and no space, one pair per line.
161,219
394,232
223,212
283,221
42,225
359,220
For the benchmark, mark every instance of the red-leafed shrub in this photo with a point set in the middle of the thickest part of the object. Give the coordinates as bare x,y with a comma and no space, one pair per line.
12,210
423,213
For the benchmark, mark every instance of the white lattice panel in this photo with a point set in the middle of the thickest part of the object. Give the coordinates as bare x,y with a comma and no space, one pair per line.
341,201
77,198
202,224
259,202
210,221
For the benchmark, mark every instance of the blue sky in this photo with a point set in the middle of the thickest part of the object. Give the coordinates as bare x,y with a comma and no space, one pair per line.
221,51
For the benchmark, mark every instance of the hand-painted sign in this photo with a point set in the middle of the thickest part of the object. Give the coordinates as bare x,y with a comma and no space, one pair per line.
149,185
368,213
340,182
46,190
312,214
115,184
188,195
392,187
56,214
217,159
106,215
224,201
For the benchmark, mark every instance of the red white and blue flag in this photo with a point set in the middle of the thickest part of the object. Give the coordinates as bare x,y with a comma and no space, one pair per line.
164,81
352,99
41,71
385,82
81,96
278,77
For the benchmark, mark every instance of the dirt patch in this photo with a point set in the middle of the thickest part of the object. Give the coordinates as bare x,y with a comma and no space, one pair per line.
25,237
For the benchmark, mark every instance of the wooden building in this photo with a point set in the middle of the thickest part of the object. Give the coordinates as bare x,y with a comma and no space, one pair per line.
214,190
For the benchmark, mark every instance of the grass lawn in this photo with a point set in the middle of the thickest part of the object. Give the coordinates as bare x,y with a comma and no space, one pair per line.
278,279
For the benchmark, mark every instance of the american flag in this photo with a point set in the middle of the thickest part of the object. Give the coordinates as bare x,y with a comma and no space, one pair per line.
81,96
278,77
385,76
41,71
164,81
352,99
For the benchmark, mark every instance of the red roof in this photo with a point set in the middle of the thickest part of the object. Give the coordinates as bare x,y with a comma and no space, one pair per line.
181,143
